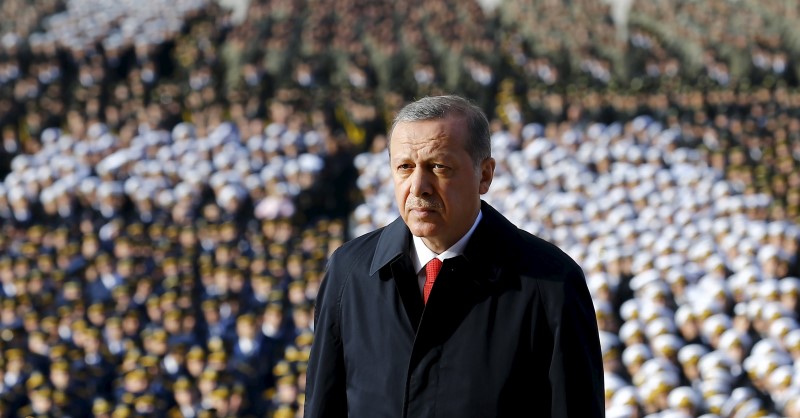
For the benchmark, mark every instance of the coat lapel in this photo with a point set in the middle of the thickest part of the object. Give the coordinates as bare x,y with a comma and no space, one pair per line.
393,261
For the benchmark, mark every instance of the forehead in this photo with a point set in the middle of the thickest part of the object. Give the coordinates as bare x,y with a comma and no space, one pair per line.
437,133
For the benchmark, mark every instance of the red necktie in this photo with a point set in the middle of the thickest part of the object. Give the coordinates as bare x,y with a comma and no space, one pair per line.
431,271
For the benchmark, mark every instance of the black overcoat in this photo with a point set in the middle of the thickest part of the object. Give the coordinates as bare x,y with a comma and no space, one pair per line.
509,330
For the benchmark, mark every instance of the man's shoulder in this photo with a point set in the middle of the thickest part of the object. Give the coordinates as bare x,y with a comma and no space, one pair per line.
353,260
528,251
359,251
543,253
542,245
356,246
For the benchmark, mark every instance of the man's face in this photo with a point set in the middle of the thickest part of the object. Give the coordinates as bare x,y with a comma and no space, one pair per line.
437,186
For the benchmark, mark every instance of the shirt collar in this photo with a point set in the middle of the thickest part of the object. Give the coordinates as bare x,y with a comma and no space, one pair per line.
422,254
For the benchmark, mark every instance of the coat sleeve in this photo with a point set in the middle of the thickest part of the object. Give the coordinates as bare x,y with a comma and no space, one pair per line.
325,386
576,367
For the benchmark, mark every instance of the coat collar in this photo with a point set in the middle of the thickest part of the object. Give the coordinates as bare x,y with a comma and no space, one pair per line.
494,241
394,241
491,244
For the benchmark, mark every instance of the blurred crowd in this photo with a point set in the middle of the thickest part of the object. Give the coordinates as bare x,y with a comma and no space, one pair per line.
175,174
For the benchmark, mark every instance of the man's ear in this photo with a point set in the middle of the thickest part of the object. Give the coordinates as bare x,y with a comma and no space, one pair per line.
487,174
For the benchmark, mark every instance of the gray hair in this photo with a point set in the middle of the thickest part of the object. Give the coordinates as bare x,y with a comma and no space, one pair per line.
440,107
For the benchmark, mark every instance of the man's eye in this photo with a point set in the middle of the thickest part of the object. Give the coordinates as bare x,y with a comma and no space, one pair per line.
439,167
404,167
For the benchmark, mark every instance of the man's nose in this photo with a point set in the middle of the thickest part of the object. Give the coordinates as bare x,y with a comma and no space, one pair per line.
420,183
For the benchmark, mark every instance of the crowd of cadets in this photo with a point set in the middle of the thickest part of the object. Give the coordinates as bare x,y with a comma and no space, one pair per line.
175,175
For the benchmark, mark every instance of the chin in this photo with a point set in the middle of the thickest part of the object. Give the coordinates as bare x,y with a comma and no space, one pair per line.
422,229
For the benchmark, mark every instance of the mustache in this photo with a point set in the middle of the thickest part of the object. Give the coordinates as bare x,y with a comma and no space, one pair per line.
419,203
